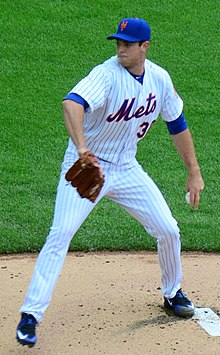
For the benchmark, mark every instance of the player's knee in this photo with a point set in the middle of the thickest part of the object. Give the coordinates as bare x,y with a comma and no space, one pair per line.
173,230
169,229
169,234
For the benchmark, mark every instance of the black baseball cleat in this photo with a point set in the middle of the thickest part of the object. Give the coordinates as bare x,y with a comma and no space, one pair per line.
180,305
25,333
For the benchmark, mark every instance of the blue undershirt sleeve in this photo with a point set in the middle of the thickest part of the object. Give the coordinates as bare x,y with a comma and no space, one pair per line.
178,125
77,98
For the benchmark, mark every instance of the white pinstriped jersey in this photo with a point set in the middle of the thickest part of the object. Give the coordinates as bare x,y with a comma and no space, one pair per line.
121,110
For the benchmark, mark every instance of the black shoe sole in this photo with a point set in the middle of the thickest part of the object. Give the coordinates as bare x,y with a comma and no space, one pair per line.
23,343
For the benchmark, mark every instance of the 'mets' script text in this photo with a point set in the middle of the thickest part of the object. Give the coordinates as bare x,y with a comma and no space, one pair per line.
124,112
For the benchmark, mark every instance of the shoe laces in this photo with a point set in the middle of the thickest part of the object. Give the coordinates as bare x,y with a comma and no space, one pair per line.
28,324
181,297
180,293
29,319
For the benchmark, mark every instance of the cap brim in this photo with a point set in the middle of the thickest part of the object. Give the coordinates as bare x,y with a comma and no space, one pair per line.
124,37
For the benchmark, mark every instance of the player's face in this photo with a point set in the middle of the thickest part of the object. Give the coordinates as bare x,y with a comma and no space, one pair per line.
131,55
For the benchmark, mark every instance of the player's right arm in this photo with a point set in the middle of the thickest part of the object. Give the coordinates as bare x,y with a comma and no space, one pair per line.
74,117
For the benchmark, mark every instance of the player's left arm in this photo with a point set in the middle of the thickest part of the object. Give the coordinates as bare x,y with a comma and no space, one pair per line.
185,147
178,128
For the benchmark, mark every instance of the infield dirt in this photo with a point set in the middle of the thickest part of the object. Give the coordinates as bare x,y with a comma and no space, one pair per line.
111,303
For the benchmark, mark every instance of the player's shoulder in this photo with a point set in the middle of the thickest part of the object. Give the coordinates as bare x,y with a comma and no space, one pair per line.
112,63
155,69
109,65
109,70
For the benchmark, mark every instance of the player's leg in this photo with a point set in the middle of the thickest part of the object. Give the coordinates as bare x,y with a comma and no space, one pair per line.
70,212
140,196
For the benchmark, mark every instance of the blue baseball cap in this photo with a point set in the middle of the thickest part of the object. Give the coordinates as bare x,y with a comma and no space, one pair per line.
132,30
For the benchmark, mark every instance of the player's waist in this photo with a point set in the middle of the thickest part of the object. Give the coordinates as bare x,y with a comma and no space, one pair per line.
106,156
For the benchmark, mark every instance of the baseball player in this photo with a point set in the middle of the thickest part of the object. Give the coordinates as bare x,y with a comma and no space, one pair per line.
106,114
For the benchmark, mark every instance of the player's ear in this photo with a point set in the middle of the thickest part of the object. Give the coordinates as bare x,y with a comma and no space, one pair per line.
146,44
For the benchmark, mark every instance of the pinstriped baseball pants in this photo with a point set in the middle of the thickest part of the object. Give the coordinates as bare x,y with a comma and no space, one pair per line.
132,189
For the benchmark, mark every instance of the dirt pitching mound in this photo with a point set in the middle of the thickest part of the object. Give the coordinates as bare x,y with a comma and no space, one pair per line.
111,303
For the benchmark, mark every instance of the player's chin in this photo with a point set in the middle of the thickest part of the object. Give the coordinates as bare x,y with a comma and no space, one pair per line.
123,61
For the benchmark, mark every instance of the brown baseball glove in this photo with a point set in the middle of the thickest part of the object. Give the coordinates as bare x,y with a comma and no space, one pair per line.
87,176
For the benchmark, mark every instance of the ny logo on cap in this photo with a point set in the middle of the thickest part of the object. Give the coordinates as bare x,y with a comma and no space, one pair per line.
123,25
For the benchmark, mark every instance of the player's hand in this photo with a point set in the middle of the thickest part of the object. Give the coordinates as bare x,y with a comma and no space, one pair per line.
87,176
82,152
195,185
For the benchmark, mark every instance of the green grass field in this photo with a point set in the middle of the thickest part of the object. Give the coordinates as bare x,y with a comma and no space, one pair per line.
46,47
